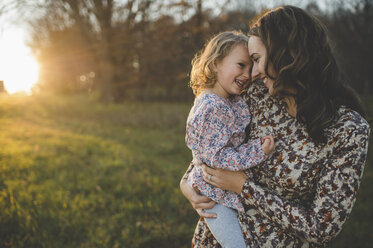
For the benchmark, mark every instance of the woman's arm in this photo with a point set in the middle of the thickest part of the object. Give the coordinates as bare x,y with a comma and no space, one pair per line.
334,197
224,179
198,201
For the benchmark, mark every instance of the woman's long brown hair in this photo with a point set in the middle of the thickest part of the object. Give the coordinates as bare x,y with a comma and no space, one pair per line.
299,51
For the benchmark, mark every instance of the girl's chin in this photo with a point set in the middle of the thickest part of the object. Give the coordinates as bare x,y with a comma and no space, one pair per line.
234,93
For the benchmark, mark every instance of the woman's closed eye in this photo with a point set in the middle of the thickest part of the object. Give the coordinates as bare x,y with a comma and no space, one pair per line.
242,65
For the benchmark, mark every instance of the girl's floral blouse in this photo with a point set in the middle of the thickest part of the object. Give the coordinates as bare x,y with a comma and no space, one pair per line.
215,133
303,193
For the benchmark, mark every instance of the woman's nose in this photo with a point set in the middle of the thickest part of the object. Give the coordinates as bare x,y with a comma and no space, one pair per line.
254,72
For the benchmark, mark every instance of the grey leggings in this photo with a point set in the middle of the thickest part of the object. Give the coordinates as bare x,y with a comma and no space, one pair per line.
225,227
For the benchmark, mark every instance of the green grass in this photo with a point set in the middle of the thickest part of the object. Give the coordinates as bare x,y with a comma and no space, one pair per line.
78,173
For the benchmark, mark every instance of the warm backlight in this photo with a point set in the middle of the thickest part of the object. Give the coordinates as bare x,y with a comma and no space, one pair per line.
18,68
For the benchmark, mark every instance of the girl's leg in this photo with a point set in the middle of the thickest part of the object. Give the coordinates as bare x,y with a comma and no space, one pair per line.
225,227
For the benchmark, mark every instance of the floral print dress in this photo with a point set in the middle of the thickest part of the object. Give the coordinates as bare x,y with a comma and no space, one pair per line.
215,133
302,194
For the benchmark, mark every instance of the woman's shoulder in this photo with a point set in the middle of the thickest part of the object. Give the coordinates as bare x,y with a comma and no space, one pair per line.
349,122
258,98
256,90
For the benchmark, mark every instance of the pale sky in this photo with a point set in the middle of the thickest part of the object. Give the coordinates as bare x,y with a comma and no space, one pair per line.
18,68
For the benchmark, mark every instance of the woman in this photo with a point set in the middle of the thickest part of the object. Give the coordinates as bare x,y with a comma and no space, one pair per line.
304,192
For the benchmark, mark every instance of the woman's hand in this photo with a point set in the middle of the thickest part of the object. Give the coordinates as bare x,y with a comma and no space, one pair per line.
198,201
224,179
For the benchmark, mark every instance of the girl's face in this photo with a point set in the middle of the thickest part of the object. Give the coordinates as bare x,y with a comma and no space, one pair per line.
258,55
232,72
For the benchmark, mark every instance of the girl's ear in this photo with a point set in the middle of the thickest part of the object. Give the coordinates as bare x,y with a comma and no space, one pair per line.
214,67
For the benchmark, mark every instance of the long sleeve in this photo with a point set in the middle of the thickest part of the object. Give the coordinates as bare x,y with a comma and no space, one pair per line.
212,135
335,193
188,171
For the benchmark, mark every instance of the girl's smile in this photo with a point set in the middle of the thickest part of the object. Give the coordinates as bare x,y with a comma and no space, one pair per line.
232,72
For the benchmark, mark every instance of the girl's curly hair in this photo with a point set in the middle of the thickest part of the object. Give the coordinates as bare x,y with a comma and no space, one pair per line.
203,75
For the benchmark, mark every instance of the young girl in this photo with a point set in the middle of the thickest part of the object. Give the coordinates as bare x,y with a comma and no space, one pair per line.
216,126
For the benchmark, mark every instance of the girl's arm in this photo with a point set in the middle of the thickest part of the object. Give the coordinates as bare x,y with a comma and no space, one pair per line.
210,134
334,197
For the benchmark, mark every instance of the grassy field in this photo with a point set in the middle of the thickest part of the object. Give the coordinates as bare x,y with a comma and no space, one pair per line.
78,173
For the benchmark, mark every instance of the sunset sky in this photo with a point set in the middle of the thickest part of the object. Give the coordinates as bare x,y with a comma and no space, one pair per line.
18,68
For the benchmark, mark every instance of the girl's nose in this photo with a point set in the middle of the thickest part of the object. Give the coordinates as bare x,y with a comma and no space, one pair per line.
246,73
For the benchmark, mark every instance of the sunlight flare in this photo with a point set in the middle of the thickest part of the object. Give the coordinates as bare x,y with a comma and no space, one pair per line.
18,68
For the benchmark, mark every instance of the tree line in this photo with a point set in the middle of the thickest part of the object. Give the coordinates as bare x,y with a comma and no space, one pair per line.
142,49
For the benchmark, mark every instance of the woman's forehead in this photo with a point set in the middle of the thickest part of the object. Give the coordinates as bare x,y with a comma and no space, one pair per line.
255,45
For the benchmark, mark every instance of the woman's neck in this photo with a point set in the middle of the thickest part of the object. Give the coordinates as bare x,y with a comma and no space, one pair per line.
291,106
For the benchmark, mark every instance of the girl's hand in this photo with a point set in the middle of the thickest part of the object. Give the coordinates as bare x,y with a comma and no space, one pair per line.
268,144
198,201
224,179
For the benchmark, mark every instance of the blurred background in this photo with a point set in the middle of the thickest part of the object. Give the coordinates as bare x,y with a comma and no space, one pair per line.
93,103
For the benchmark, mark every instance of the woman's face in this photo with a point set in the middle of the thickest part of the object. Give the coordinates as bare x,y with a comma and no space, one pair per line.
258,55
